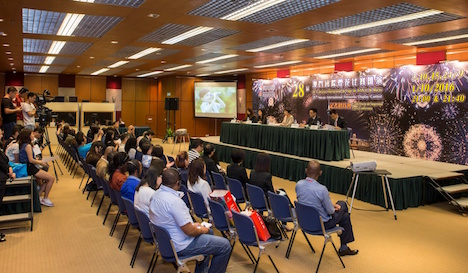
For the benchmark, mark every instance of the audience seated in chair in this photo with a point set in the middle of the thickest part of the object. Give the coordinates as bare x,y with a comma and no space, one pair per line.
95,153
196,147
235,170
11,145
131,147
310,192
158,152
101,165
148,185
261,175
197,179
116,170
134,170
182,164
208,157
168,210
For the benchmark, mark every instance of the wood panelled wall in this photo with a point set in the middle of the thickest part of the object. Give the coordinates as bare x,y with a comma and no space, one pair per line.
37,83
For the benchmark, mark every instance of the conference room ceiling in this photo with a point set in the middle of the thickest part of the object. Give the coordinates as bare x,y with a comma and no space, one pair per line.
154,38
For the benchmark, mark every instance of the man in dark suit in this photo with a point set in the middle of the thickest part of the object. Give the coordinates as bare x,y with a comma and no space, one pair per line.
337,121
313,118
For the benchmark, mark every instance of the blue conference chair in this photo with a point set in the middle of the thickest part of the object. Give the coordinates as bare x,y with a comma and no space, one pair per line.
198,205
218,180
122,210
283,211
113,199
248,236
311,223
165,247
145,235
257,198
236,188
185,197
132,219
220,217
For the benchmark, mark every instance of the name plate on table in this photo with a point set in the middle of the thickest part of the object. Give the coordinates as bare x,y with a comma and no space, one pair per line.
295,125
313,127
248,122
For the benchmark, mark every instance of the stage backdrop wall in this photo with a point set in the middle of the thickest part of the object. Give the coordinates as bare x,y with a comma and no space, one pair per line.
415,111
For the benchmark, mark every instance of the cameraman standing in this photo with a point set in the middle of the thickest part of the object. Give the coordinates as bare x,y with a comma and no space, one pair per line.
9,111
29,111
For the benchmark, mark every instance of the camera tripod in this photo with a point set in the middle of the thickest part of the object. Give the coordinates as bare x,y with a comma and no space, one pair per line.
47,140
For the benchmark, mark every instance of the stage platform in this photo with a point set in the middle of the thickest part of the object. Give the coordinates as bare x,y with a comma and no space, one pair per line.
406,180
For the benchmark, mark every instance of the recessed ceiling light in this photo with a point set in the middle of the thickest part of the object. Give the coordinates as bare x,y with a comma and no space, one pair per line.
6,44
202,75
3,34
10,59
13,68
163,62
100,71
431,41
117,64
347,53
44,69
256,6
277,64
178,67
137,69
229,71
286,43
404,18
8,52
1,20
114,42
144,53
186,35
204,49
91,57
56,47
78,66
217,58
153,15
12,64
150,74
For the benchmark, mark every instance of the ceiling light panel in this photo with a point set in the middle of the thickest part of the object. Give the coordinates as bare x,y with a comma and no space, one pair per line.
179,67
170,31
37,68
122,3
100,71
35,59
131,50
283,44
385,13
48,22
436,39
277,64
231,71
264,12
150,74
216,55
41,46
347,53
108,63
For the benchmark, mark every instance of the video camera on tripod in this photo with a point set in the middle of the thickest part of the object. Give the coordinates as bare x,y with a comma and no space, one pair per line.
44,114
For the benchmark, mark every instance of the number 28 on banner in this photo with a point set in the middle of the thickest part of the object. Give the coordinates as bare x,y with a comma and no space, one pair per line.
299,91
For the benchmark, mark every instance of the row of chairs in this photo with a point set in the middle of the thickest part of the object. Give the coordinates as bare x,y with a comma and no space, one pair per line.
244,230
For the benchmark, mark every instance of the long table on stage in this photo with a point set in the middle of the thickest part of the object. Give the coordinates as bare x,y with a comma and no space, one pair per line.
318,144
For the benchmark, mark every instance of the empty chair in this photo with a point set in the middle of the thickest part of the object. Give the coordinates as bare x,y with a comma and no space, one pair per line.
236,188
198,205
145,234
248,236
165,247
311,223
132,219
122,210
284,212
257,198
220,217
218,180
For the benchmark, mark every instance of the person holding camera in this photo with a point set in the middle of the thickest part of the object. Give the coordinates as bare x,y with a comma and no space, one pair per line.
29,111
9,111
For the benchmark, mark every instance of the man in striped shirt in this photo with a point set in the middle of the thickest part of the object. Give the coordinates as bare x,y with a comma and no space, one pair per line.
194,152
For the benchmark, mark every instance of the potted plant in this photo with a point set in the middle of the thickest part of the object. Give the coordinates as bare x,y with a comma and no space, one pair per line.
169,136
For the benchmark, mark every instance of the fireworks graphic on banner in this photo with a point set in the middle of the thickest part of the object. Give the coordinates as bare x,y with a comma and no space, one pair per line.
422,141
450,111
385,134
457,141
398,109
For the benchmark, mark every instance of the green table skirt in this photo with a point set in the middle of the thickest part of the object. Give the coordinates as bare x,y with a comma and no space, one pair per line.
318,144
407,192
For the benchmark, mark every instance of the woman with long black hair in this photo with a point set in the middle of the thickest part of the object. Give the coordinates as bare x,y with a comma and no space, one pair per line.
6,173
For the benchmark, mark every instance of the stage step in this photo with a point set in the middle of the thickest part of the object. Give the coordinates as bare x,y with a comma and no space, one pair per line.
462,202
455,188
17,198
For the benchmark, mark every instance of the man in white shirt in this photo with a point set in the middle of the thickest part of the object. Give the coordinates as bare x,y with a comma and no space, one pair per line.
29,111
169,211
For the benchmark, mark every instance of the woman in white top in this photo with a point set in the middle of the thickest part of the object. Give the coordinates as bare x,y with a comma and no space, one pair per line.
148,185
288,118
197,179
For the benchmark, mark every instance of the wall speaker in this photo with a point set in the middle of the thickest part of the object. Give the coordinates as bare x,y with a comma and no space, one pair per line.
171,104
